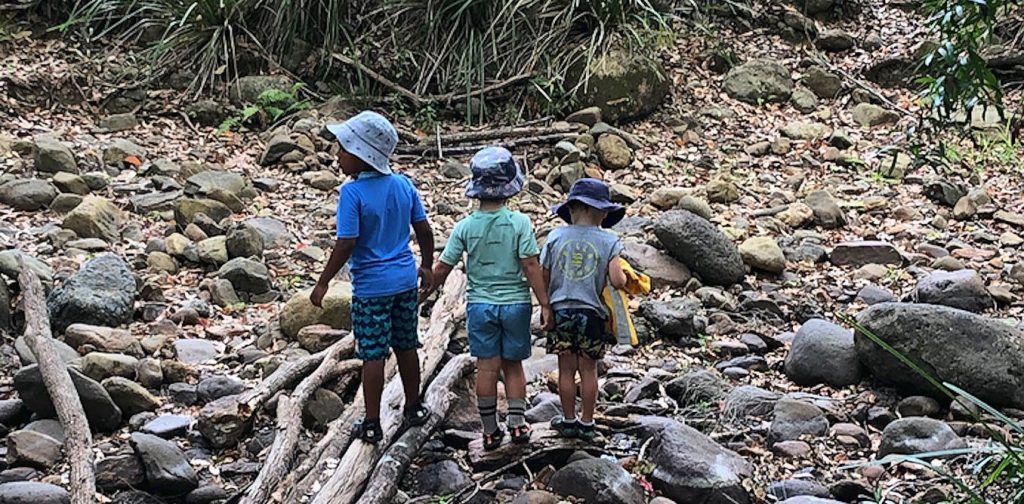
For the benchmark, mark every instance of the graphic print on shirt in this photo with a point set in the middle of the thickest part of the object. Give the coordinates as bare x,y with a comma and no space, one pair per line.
578,259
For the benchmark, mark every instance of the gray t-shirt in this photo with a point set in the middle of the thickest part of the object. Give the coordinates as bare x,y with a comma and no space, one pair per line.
578,258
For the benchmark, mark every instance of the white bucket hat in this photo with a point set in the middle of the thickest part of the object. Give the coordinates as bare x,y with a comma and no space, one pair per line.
368,136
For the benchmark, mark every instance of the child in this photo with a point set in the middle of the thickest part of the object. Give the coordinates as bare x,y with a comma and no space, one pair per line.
501,262
375,210
578,259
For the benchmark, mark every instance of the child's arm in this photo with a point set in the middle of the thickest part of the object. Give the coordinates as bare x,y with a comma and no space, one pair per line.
339,256
425,239
615,274
537,278
441,272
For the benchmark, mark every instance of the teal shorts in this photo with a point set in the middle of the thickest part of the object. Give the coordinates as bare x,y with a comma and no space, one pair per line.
385,322
499,330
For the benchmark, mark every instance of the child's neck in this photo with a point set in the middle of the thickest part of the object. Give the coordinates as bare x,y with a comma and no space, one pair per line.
490,206
586,220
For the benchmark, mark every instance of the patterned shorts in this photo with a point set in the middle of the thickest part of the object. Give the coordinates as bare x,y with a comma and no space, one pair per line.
578,330
385,322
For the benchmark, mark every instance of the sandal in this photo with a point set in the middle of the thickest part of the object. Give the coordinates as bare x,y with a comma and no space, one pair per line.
521,433
368,430
417,415
494,439
586,432
565,428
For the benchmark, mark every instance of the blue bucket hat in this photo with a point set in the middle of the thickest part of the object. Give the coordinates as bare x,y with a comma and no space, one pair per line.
368,136
496,175
593,193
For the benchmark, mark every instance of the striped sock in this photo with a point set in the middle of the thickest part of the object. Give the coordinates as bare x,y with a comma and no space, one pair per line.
488,407
516,412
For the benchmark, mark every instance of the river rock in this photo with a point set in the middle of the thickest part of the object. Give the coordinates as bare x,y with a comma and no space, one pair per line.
613,152
224,421
65,352
663,270
323,408
696,387
624,84
168,471
103,339
749,401
757,82
30,492
102,292
186,209
131,397
444,477
318,337
244,241
101,411
100,366
597,481
908,436
213,250
119,149
835,41
869,115
53,156
27,194
795,419
299,312
120,472
957,346
827,213
215,387
822,83
763,253
26,447
247,276
823,352
963,289
806,130
860,253
95,217
207,182
195,350
678,320
699,244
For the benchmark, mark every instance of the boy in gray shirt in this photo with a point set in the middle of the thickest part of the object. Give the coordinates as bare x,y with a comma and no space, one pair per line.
578,260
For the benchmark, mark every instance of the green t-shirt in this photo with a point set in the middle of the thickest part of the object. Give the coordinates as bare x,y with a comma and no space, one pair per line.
494,242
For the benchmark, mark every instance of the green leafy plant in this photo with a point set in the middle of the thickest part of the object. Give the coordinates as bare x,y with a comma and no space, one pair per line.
271,105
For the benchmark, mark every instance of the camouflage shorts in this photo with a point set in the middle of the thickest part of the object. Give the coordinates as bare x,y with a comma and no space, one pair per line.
578,330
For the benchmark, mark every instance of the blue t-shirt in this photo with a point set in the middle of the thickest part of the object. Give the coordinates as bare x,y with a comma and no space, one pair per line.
377,211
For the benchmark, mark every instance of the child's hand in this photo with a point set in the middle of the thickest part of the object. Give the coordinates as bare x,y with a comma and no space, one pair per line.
547,318
426,282
317,296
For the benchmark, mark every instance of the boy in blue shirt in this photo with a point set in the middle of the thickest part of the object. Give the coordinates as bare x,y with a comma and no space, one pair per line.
502,265
375,211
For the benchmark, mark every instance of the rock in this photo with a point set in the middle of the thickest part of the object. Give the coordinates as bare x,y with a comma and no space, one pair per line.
823,352
119,472
222,293
613,152
298,312
826,212
102,292
865,252
31,448
186,209
597,481
161,262
136,497
749,401
812,7
131,397
154,201
215,387
195,351
792,449
763,253
918,406
588,116
797,215
908,436
100,366
806,130
247,89
623,84
183,393
323,180
781,490
70,183
1013,219
690,467
27,194
795,419
209,181
247,276
721,189
822,83
667,197
455,170
544,410
872,294
676,320
892,72
960,347
118,122
224,421
95,217
120,149
804,100
213,250
661,267
963,289
944,192
281,145
757,82
964,209
101,411
150,374
65,203
209,494
697,387
318,337
168,471
323,408
66,353
52,156
695,205
869,115
835,41
701,246
168,426
30,492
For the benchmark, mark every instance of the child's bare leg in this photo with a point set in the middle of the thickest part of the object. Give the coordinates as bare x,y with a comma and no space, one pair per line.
373,387
588,379
487,392
515,389
409,370
567,366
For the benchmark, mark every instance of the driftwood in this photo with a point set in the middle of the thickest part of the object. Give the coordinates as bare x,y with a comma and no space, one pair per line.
284,377
863,85
346,483
391,467
78,437
289,421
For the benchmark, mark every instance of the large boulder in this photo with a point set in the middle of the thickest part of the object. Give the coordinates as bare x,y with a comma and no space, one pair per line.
979,354
758,82
102,292
661,267
699,244
677,320
27,194
624,85
597,481
53,156
168,471
690,467
101,411
823,352
299,312
95,217
963,289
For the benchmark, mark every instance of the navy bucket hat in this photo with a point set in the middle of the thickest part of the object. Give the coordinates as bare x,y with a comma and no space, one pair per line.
593,193
368,136
496,175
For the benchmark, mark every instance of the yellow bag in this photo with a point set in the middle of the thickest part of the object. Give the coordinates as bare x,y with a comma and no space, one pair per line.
617,300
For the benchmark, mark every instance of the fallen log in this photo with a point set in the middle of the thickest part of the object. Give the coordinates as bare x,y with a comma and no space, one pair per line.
289,421
347,480
425,149
284,377
543,439
78,437
383,484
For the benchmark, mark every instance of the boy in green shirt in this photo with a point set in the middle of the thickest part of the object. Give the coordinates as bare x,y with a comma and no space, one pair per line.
502,266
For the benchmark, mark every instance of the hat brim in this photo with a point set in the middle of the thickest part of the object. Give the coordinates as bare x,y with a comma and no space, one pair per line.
615,211
359,148
477,190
